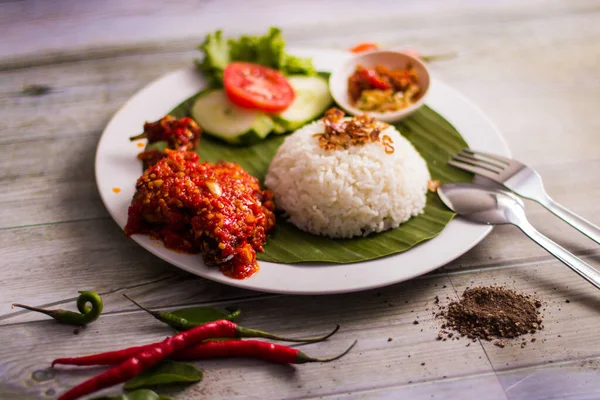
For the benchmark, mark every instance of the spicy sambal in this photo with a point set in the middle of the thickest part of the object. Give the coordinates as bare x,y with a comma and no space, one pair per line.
216,209
381,89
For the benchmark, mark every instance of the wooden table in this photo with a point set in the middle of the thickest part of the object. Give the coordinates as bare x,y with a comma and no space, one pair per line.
531,66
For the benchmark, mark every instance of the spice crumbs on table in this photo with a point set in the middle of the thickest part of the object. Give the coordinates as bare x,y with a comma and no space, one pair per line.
390,339
567,301
490,313
415,322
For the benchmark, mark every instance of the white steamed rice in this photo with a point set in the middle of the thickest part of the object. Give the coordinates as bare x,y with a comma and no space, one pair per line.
346,193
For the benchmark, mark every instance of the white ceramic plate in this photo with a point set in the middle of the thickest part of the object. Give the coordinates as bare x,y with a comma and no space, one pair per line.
118,167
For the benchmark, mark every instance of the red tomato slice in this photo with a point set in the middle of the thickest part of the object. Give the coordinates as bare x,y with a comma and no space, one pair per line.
365,46
257,87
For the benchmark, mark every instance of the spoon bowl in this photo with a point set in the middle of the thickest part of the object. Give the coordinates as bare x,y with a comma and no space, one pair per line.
482,204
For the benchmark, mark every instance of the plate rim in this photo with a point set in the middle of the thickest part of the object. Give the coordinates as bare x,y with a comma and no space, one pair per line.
480,231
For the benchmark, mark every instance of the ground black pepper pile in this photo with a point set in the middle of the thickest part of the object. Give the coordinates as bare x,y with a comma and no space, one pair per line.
492,312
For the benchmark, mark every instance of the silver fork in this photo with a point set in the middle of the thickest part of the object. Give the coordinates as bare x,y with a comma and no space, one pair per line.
523,181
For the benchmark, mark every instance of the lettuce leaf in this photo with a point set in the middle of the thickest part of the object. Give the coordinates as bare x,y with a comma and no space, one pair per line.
292,65
268,50
216,56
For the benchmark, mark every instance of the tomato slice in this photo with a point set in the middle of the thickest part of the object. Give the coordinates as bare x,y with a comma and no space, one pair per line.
257,87
364,46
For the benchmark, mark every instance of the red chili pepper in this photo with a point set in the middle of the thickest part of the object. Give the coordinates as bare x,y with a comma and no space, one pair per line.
150,356
235,331
375,79
153,354
251,349
107,358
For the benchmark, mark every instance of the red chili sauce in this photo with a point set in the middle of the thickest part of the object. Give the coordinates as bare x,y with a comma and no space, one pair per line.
216,209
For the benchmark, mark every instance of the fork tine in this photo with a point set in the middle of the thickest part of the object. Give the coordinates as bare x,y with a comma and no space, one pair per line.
478,160
475,170
488,155
478,163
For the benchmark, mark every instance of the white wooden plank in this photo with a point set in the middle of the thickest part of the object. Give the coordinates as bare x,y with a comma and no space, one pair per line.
77,25
58,186
573,381
83,95
479,387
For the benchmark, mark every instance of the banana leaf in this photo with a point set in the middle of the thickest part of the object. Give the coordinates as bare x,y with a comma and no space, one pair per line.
435,139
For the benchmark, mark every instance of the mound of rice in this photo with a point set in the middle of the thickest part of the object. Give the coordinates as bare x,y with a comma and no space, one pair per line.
346,193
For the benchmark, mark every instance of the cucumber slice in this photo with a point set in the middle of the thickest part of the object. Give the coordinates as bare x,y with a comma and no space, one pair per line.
218,117
312,100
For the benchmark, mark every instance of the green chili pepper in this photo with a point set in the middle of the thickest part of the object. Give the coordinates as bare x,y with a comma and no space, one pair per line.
88,313
183,324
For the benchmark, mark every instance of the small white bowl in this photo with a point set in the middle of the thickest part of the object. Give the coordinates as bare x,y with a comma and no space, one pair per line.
338,81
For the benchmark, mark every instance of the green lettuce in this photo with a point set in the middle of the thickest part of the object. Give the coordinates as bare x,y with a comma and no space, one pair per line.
268,50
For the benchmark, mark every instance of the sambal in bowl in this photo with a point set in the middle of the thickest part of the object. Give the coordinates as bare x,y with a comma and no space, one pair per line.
387,85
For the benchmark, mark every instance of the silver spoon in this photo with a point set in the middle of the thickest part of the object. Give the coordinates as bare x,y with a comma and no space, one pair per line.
497,207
